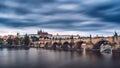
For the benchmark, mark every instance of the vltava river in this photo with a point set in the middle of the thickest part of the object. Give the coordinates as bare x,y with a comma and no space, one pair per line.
42,58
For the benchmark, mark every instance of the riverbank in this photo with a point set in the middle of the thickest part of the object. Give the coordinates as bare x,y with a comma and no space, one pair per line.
14,46
59,49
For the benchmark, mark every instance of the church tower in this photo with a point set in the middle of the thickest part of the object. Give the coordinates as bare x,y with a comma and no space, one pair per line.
39,32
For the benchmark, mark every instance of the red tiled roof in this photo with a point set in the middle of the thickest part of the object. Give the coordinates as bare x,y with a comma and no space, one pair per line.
61,35
65,35
46,34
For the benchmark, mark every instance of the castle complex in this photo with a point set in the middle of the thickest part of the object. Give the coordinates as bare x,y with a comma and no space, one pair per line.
46,39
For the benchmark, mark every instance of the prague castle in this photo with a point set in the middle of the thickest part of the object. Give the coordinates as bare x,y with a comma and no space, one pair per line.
46,40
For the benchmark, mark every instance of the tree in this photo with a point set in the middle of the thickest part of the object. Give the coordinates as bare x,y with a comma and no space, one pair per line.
26,40
21,40
1,41
9,40
17,40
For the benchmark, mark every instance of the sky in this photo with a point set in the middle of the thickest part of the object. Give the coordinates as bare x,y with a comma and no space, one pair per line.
83,17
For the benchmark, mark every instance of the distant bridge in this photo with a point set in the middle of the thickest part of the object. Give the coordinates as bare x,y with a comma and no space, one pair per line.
89,43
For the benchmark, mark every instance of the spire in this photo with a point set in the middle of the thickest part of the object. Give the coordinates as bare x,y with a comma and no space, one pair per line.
39,32
90,36
115,34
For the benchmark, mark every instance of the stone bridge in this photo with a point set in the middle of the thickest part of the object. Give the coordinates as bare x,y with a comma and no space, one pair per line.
86,40
89,43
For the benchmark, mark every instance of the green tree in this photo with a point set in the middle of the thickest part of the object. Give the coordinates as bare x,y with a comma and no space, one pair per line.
9,41
26,40
17,40
21,40
1,41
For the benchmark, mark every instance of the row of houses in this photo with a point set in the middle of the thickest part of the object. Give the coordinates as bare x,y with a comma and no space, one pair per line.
41,37
45,35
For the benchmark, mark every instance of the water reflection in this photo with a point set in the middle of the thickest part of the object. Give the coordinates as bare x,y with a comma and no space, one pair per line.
42,58
84,54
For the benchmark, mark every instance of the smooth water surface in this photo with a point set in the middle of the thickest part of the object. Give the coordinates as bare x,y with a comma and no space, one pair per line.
43,58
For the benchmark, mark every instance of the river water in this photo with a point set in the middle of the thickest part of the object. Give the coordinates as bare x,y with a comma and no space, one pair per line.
43,58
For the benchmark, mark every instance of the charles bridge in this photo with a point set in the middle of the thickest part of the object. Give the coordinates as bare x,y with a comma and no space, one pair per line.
88,42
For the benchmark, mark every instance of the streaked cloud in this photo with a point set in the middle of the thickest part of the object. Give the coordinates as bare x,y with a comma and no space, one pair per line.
68,7
72,16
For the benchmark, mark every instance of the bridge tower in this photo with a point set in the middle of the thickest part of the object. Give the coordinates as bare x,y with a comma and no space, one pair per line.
116,40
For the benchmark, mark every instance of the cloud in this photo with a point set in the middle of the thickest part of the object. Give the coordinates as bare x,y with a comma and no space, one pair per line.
62,16
68,7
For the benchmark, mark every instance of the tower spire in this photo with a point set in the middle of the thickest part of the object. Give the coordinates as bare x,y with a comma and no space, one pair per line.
90,38
115,34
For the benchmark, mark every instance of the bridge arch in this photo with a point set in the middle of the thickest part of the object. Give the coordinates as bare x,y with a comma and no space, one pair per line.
65,45
54,45
90,45
47,44
100,42
79,44
59,43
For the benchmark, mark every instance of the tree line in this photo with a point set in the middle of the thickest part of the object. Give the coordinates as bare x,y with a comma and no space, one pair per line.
16,41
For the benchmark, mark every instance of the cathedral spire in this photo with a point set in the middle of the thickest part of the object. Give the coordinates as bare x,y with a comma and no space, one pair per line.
39,32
